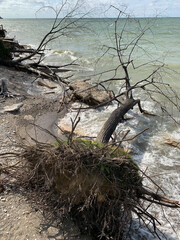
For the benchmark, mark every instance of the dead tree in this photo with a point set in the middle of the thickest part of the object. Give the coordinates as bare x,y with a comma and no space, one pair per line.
60,27
152,84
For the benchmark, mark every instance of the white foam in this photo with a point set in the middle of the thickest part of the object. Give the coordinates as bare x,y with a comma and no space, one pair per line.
161,161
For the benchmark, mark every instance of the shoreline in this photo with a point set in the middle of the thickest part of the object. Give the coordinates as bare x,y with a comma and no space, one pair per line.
20,215
33,102
33,105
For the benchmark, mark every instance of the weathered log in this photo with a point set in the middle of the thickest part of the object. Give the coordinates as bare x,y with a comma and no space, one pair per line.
49,69
51,66
23,51
112,122
86,93
28,68
9,46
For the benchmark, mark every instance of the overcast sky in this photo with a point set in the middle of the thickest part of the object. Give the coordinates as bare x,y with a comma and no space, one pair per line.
138,8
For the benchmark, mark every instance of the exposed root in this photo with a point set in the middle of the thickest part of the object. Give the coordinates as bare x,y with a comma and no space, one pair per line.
100,187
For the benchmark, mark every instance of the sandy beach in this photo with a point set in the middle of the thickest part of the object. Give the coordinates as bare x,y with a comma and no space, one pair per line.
23,216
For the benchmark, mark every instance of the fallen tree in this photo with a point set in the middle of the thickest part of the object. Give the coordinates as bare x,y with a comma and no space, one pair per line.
152,85
32,61
99,183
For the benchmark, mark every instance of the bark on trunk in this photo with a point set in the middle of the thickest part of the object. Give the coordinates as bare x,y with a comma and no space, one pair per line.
112,122
3,87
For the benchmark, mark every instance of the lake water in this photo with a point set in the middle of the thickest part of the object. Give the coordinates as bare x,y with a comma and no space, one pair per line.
86,46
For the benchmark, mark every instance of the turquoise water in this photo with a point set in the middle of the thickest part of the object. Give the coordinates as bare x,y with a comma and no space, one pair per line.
159,44
88,43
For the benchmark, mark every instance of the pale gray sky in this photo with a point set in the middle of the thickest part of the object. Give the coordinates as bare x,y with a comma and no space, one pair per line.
138,8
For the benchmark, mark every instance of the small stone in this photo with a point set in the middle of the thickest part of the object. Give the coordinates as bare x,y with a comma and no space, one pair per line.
29,118
86,93
12,108
16,54
3,199
53,230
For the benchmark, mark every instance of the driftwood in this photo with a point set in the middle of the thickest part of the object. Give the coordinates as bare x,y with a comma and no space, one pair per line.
34,65
23,51
172,142
28,68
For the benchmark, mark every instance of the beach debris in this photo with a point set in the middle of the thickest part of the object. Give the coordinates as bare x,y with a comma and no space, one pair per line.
88,94
23,57
172,142
50,92
46,83
12,108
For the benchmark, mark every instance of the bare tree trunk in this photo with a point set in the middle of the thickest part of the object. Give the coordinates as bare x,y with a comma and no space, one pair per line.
3,87
115,117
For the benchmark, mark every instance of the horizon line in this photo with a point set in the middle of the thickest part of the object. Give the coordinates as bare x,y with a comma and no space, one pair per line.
1,18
